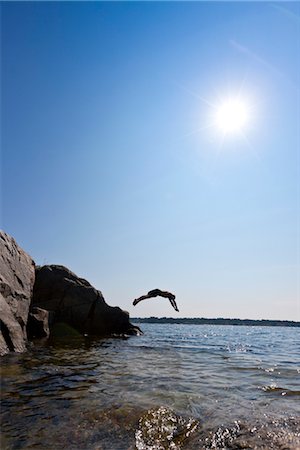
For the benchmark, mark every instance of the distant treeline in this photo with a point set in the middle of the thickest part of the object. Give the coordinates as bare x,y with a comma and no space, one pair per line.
219,321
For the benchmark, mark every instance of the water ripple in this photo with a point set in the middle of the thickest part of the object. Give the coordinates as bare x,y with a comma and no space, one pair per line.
94,393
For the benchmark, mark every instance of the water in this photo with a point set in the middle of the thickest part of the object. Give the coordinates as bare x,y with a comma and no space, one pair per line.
177,387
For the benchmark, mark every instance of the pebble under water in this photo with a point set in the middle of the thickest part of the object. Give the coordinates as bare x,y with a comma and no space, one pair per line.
176,387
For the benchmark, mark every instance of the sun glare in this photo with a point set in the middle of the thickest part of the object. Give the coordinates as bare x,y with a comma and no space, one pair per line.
229,117
232,116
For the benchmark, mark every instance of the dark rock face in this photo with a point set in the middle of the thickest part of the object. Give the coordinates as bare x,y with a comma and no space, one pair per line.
16,284
75,302
38,323
32,300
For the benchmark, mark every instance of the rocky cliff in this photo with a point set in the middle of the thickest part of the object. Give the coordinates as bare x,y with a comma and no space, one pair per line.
17,274
30,296
76,302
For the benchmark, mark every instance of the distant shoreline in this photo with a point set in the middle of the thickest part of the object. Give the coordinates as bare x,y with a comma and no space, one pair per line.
219,321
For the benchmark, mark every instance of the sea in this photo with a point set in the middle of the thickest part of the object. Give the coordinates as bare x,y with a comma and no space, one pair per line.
175,387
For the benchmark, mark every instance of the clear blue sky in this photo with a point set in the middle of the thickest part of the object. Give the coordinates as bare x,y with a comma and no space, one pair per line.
112,167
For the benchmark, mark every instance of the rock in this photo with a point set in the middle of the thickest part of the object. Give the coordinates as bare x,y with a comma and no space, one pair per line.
11,335
38,323
16,284
78,304
63,330
134,330
160,429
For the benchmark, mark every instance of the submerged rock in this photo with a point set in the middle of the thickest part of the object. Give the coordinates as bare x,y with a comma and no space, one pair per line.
275,433
16,284
74,301
63,330
162,429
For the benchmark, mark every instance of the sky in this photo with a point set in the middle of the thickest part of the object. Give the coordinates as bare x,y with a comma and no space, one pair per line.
114,162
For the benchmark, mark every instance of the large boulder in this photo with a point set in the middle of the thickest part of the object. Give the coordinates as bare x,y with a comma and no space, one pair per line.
75,302
17,273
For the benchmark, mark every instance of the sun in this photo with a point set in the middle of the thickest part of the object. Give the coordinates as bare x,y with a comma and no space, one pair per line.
229,118
232,116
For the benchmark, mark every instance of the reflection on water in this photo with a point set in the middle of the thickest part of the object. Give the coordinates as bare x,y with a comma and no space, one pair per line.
178,386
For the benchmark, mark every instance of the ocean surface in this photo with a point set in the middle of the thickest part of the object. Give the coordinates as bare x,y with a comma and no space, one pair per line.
175,387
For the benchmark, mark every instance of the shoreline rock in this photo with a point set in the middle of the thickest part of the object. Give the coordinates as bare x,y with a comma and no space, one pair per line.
76,302
17,275
39,321
34,298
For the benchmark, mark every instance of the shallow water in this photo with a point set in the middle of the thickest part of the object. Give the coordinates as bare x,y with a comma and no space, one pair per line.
178,386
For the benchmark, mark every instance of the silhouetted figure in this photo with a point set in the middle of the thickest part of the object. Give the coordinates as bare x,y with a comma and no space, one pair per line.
156,293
